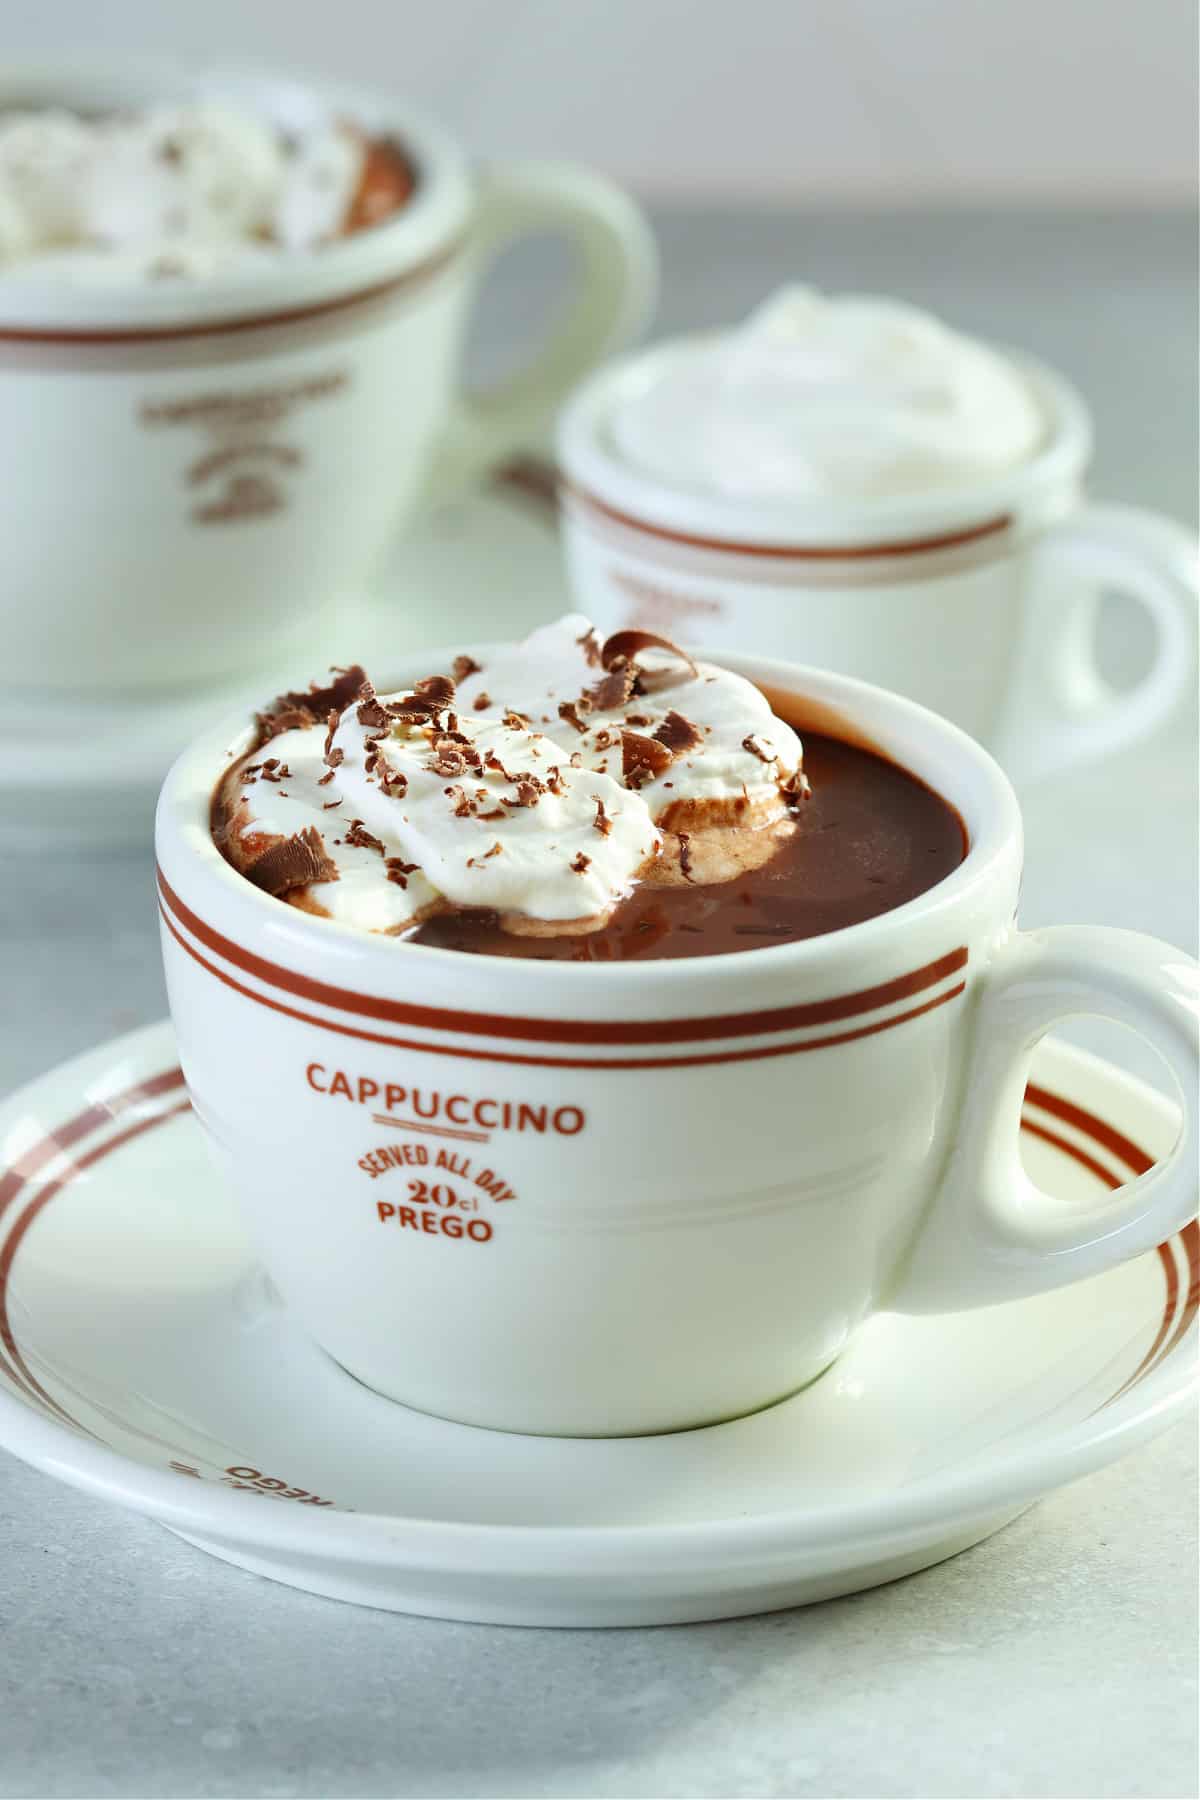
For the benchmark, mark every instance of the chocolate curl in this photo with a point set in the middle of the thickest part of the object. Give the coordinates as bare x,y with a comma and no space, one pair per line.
362,839
569,710
589,643
642,758
623,646
679,734
795,787
757,747
293,862
616,687
435,690
297,711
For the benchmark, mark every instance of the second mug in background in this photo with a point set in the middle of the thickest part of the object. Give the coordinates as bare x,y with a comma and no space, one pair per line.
196,472
977,597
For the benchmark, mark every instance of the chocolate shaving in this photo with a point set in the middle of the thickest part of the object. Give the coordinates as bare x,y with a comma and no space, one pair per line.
297,711
371,710
601,823
757,747
796,786
642,758
567,709
589,643
679,734
360,838
324,780
430,696
554,780
473,862
411,710
454,754
685,855
435,690
292,863
461,803
398,870
517,721
529,792
482,701
623,646
615,689
581,864
492,761
330,804
274,770
638,719
447,759
462,666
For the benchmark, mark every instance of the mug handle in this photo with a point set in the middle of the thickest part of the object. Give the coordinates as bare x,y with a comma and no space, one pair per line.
991,1234
1063,711
616,284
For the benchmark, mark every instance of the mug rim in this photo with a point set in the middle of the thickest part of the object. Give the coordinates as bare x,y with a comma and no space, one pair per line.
966,777
595,471
427,231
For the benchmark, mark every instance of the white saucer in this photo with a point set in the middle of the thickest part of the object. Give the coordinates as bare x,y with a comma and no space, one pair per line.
146,1360
481,568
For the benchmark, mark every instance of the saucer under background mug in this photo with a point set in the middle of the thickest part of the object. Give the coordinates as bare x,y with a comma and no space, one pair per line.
603,1200
194,473
980,603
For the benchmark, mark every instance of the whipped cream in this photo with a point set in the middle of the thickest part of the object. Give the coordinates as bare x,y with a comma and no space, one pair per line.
820,398
184,190
543,785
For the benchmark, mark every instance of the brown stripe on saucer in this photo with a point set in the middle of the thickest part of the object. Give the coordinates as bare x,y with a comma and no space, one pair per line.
12,1244
40,1153
1066,1110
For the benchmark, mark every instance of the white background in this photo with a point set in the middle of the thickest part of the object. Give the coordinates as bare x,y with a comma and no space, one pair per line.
903,101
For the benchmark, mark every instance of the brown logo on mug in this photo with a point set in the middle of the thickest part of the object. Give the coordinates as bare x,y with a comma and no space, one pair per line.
242,464
662,609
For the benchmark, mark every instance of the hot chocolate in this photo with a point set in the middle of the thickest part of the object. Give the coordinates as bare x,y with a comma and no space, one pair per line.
575,800
191,190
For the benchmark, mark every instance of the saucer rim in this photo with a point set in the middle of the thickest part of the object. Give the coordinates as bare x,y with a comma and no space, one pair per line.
936,1502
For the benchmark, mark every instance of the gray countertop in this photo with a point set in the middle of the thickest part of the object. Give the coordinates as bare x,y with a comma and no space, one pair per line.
1057,1659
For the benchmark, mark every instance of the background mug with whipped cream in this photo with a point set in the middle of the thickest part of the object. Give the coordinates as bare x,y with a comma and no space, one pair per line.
229,341
849,482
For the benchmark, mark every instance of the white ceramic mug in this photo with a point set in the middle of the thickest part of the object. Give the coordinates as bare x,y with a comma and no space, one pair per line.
979,603
593,1199
193,472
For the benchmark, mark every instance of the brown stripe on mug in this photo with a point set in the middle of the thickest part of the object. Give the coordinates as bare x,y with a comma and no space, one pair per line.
415,276
792,553
561,1031
470,1054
